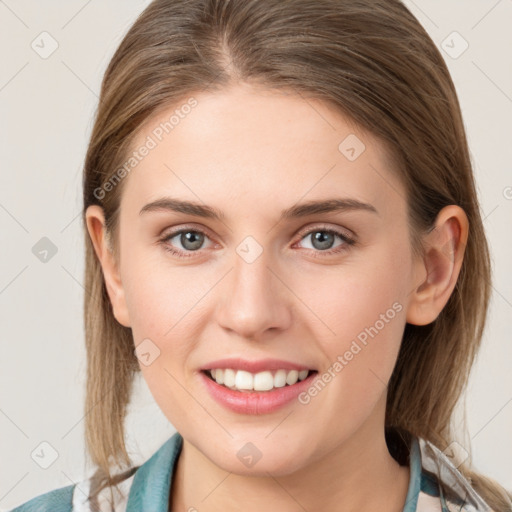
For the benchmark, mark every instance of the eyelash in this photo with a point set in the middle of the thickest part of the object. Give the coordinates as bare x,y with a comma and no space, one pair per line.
348,241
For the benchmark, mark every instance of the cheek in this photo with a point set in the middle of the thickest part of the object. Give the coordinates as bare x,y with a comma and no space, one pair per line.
165,309
362,312
157,294
348,298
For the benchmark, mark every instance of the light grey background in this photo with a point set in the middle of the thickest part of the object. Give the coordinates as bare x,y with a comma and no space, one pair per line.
46,109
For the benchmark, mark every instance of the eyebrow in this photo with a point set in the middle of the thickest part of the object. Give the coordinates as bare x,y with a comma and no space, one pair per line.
296,211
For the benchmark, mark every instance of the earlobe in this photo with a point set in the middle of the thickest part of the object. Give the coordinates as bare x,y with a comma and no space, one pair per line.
95,221
440,266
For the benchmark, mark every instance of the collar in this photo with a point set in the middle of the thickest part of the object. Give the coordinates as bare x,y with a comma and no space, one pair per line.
151,484
455,491
411,500
152,481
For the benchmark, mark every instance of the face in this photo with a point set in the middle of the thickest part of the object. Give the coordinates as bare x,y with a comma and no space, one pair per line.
327,290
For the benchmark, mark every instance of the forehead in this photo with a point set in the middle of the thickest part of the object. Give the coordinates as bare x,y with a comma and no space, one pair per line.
260,146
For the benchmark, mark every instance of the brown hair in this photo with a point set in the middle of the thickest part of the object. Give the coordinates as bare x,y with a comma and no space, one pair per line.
374,62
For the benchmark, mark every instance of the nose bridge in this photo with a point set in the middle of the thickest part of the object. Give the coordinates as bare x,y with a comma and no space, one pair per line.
254,300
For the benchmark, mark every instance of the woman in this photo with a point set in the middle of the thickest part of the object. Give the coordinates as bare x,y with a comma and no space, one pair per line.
302,372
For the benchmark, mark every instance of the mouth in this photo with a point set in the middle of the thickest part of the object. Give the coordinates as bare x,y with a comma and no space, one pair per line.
267,393
279,382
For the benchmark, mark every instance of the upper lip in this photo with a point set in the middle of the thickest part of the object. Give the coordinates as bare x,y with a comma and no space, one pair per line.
254,366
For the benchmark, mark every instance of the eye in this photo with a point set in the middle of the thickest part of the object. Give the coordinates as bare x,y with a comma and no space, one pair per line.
191,241
322,240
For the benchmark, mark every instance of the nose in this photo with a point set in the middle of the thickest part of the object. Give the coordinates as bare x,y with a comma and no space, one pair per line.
254,299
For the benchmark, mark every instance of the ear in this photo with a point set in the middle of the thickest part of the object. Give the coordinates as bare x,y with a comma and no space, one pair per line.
438,270
95,220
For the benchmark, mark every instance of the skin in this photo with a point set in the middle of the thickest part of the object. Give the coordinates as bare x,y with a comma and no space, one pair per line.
251,153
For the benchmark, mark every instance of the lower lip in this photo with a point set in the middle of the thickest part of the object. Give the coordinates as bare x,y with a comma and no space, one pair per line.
256,402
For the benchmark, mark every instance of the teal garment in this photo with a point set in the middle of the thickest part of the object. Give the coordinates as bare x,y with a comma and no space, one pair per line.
58,500
148,487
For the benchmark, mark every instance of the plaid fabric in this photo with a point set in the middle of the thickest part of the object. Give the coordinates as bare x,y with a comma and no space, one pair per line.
435,485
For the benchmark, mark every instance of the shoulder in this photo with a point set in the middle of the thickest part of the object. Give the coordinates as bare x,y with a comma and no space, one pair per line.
89,498
137,488
144,487
76,497
58,500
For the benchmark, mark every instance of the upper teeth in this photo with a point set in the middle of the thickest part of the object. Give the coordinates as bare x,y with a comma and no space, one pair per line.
262,381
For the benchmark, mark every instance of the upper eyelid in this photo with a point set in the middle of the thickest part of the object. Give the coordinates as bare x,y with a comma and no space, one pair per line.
324,227
176,231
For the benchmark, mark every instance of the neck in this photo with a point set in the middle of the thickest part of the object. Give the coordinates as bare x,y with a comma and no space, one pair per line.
358,475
